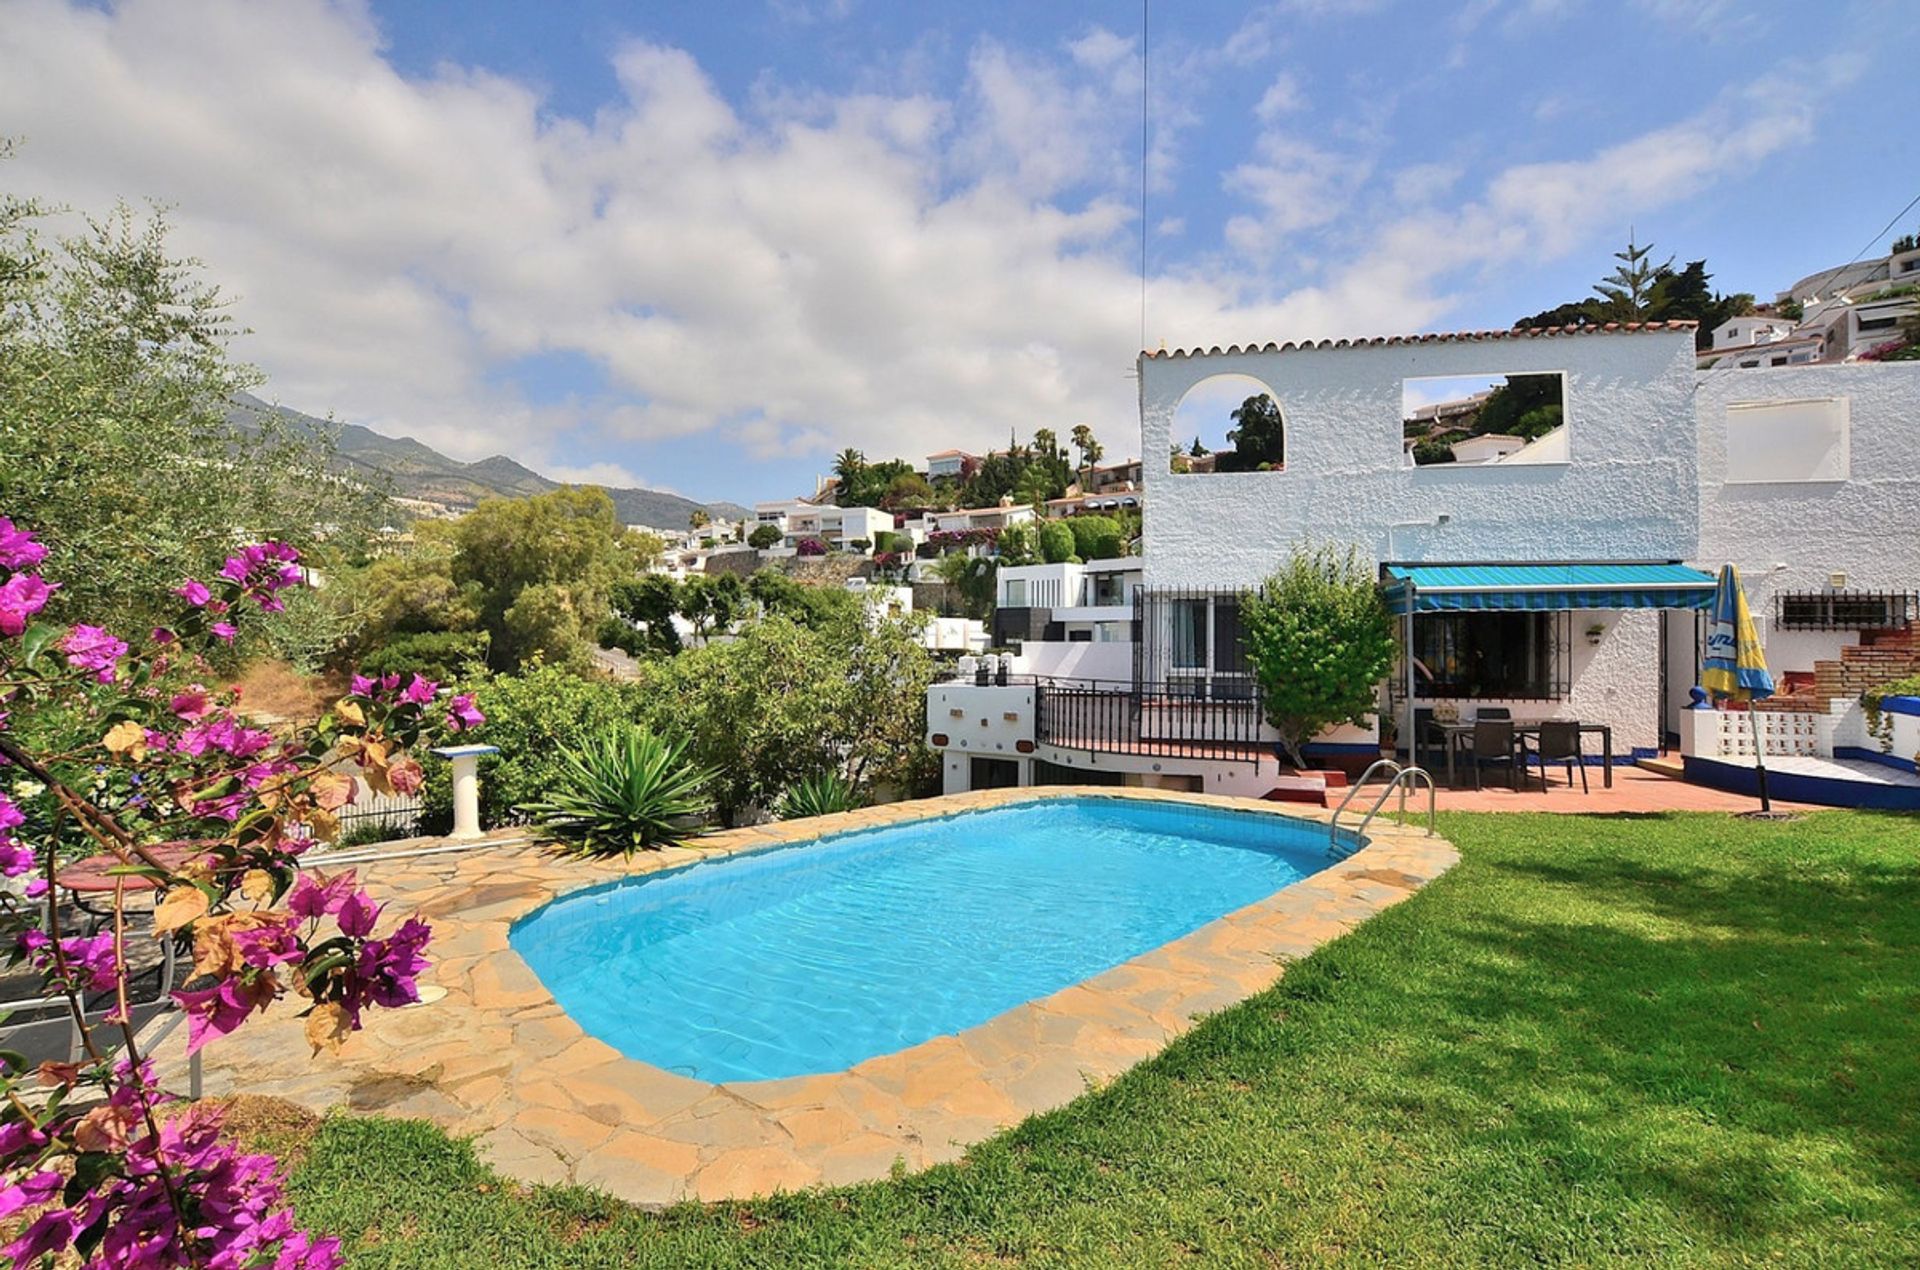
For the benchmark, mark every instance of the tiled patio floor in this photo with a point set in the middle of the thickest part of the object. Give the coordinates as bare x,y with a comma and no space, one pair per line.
493,1055
1635,790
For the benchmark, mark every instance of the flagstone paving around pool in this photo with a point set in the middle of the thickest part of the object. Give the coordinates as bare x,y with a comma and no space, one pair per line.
490,1054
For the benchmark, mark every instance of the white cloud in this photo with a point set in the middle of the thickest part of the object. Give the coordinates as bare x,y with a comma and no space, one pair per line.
612,474
891,270
1282,97
1424,182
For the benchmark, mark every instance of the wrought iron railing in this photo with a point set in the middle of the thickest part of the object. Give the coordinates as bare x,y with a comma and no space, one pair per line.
1843,610
1154,720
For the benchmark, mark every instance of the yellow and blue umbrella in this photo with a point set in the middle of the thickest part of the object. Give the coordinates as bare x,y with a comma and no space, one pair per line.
1735,666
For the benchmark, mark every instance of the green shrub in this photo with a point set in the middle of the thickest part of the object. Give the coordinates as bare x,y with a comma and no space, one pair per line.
764,536
782,702
442,656
1056,541
626,790
1097,537
821,794
1320,640
535,717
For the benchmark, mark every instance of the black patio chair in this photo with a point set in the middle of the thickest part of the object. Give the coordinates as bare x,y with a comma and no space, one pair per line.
1492,745
1560,743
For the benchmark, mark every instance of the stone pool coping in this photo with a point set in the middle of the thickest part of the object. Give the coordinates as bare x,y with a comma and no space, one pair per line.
494,1056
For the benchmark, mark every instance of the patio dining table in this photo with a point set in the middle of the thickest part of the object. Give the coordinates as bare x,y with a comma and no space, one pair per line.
1453,732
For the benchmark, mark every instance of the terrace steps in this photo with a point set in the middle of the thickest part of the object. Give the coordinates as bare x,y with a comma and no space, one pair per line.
1880,657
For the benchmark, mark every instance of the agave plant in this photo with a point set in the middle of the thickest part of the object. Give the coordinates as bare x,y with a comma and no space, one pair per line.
819,795
626,790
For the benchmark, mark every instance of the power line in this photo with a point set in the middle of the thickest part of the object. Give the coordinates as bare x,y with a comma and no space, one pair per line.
1841,271
1143,174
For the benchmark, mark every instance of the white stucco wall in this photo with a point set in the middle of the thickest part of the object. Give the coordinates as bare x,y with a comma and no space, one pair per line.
1790,537
1627,492
1080,659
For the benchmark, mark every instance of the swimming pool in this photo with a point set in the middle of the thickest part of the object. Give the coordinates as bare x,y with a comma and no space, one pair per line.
812,958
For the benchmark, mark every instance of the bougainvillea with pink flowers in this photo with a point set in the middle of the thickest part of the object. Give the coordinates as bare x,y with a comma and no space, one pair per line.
115,746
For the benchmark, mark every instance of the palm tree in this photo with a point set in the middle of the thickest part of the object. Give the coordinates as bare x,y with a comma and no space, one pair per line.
1091,451
847,468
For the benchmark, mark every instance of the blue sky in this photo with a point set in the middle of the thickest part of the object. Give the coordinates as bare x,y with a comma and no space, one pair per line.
703,246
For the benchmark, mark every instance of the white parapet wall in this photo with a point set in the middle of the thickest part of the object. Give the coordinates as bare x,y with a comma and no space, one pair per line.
1729,734
967,721
1891,734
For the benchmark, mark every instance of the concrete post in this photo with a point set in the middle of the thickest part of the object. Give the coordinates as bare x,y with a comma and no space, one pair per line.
466,785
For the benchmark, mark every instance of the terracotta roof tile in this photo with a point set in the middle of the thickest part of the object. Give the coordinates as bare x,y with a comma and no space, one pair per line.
1431,337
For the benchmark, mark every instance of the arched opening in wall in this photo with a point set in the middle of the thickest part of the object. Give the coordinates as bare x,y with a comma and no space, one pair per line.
1484,420
1228,423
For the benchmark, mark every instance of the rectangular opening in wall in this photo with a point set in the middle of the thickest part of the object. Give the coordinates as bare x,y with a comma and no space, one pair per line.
1787,441
1490,420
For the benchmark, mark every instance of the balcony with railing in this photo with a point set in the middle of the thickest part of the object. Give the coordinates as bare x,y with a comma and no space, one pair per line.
1179,719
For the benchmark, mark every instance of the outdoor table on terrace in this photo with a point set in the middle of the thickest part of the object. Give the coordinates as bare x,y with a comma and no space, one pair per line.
1454,731
95,876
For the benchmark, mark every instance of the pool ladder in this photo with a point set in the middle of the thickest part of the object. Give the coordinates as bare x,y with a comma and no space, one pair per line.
1402,779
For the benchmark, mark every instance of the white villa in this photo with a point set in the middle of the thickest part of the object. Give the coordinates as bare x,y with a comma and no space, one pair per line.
1568,587
1844,312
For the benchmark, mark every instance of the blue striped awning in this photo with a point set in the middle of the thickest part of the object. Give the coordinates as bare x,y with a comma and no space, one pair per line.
1456,588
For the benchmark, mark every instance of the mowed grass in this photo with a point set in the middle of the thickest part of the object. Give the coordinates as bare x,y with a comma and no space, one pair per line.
1631,1040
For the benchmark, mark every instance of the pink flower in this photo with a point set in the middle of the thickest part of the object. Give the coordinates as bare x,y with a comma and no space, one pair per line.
30,1192
51,1231
213,1012
406,776
314,900
267,946
224,630
15,858
362,686
419,691
191,705
389,967
261,570
92,648
91,963
225,735
21,596
161,635
462,714
18,550
357,915
194,592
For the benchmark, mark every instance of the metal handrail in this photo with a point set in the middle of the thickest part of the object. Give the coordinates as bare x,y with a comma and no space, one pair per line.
1365,776
1402,779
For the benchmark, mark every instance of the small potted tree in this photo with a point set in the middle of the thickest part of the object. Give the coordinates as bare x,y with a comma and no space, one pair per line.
1320,641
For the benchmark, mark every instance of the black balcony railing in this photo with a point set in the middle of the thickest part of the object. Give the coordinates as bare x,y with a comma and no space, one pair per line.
1153,720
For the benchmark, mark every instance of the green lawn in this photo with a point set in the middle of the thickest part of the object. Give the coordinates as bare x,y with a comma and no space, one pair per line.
1636,1040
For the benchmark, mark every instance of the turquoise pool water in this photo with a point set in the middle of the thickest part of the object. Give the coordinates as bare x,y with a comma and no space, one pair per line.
811,958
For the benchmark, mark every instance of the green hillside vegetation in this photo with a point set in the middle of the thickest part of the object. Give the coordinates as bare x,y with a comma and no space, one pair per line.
416,470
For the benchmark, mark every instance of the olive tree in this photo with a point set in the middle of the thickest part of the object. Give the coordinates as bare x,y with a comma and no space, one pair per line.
122,439
1320,641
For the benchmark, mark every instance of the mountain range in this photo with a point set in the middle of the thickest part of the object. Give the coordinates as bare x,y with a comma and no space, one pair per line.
418,471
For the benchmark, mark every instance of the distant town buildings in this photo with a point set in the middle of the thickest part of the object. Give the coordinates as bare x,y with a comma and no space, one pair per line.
1847,313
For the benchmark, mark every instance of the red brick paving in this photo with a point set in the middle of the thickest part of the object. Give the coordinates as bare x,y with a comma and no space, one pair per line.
1634,790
